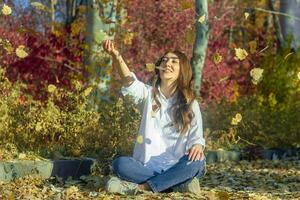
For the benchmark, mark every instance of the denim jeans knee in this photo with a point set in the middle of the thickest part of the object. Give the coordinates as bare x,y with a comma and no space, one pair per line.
119,164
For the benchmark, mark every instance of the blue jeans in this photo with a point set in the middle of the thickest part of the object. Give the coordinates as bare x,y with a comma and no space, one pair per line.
129,169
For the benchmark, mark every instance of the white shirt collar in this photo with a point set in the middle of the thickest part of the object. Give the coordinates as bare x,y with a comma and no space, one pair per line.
170,99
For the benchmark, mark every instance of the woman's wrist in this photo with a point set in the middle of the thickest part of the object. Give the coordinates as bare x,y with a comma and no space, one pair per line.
116,54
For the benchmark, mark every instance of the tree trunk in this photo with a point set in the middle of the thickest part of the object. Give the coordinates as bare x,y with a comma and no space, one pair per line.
200,45
291,26
101,23
277,26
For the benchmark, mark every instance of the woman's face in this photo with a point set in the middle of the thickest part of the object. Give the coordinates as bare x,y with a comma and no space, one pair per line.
171,67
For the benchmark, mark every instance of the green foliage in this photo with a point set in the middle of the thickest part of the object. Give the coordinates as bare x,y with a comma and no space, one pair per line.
66,124
270,117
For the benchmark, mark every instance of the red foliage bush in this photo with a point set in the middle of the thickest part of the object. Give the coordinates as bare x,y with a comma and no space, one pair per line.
53,59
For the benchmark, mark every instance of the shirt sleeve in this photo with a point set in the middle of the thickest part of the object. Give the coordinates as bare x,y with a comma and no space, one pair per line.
196,132
137,90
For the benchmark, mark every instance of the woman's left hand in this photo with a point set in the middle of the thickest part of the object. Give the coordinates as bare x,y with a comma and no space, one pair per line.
196,152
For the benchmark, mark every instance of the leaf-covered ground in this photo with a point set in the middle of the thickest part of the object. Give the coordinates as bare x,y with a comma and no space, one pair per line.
259,179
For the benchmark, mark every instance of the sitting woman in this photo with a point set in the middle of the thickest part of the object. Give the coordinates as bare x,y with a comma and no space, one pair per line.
168,154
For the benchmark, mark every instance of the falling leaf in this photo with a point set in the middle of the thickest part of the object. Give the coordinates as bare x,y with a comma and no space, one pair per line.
234,121
238,117
190,36
51,88
128,37
217,58
20,52
186,4
87,91
150,67
40,6
240,53
140,139
256,74
6,10
246,14
202,19
252,46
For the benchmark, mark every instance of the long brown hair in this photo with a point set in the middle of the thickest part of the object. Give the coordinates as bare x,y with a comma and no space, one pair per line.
182,108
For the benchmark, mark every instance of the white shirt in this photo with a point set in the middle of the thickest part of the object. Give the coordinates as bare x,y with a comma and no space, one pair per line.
159,148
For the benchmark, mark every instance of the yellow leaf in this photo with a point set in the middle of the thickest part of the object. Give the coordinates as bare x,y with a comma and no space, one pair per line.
234,121
8,47
238,117
140,139
298,75
40,6
51,88
128,37
185,4
6,10
76,27
87,91
11,196
202,19
190,36
20,52
217,58
246,14
150,67
252,46
223,195
256,74
22,156
240,53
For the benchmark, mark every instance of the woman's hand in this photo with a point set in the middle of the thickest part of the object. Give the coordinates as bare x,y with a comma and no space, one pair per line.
109,47
196,152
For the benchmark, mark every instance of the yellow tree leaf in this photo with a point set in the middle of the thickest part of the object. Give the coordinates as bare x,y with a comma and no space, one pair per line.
140,139
223,195
252,46
20,52
6,10
202,19
240,53
246,14
186,4
217,58
150,67
87,91
238,117
40,6
51,88
190,36
128,37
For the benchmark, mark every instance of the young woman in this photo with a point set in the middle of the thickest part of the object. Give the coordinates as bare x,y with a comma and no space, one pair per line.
168,153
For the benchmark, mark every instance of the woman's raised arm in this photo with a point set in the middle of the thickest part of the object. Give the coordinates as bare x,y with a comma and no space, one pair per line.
118,62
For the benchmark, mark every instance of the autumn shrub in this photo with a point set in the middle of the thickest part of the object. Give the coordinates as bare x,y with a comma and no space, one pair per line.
66,123
51,55
270,116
